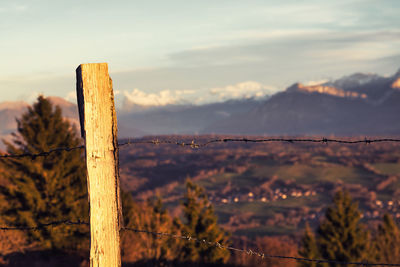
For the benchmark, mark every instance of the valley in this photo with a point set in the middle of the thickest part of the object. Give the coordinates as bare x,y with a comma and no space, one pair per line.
270,188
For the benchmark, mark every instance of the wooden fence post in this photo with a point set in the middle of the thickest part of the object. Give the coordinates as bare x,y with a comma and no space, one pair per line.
99,129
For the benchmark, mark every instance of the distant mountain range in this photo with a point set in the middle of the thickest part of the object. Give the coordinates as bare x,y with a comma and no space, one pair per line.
359,104
186,119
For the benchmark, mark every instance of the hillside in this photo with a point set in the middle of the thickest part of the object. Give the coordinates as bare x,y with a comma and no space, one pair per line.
267,189
365,105
186,119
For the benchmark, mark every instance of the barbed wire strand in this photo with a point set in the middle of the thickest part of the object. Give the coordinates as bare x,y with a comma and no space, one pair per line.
254,253
41,154
43,226
194,144
189,238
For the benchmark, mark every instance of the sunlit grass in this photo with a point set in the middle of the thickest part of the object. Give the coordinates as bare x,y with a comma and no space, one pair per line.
388,168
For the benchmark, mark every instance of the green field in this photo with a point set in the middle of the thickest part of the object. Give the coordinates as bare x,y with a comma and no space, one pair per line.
306,174
388,168
301,174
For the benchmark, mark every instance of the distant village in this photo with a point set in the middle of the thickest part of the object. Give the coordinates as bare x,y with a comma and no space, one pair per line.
380,207
242,183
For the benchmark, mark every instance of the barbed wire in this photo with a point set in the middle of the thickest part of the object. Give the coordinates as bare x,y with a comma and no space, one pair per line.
41,154
253,252
189,238
42,226
194,144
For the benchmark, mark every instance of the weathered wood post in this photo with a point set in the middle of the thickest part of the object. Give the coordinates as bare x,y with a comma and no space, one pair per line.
99,129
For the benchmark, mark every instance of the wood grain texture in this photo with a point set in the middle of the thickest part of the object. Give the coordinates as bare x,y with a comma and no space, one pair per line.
99,129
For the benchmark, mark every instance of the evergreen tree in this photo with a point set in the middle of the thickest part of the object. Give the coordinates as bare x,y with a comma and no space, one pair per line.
309,248
201,222
153,217
46,189
341,236
387,241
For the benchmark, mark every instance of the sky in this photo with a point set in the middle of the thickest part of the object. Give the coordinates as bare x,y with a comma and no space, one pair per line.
169,52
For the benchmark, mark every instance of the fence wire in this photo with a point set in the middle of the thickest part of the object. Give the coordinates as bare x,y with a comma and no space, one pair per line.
43,226
40,154
196,145
250,252
204,242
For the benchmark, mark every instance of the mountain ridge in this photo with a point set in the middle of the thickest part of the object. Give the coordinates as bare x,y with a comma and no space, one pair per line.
371,107
358,104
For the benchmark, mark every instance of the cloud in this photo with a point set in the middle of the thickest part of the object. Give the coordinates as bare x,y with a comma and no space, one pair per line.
304,47
247,89
312,83
162,98
13,8
242,90
71,96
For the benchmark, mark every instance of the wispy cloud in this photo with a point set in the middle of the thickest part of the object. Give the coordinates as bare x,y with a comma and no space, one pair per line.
12,7
304,46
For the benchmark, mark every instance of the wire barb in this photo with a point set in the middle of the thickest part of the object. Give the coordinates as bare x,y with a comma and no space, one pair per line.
43,226
189,238
40,154
195,145
254,253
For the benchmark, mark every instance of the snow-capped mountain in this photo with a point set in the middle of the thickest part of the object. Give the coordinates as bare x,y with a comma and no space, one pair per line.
360,104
